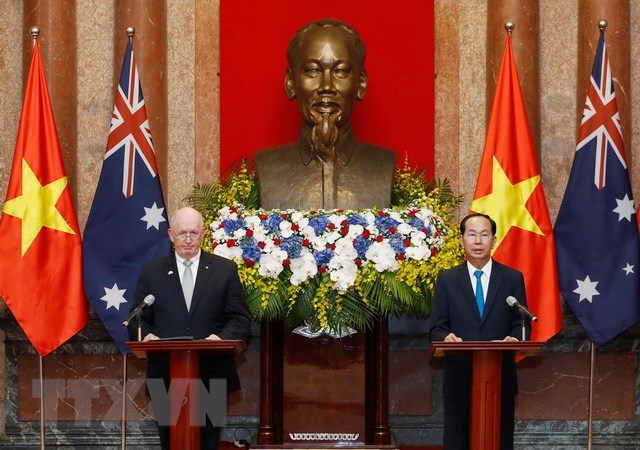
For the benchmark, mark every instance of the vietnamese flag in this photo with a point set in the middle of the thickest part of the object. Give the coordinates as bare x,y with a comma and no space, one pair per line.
509,189
40,248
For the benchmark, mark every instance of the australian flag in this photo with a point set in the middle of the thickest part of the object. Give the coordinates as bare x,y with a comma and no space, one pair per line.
127,225
596,231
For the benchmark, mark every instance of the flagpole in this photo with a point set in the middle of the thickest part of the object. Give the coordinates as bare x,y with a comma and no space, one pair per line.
123,433
34,32
590,413
41,403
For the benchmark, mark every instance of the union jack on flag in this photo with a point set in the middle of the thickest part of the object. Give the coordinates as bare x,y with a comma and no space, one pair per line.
127,225
130,131
601,119
597,242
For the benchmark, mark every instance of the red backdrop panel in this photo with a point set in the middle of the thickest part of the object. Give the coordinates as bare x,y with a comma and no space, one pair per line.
398,110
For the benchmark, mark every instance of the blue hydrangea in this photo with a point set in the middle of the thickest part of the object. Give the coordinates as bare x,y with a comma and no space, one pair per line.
250,249
362,244
383,223
397,243
319,224
323,256
358,219
272,224
292,245
416,223
230,225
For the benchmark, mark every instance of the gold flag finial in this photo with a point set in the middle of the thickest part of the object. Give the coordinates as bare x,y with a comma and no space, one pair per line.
130,31
34,32
602,24
509,26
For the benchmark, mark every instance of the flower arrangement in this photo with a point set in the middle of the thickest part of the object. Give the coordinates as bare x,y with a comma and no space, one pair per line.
333,269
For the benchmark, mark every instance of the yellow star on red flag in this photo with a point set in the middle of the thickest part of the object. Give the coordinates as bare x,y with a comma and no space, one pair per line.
37,206
506,204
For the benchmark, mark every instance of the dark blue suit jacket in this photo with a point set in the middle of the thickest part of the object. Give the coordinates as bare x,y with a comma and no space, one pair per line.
218,306
454,310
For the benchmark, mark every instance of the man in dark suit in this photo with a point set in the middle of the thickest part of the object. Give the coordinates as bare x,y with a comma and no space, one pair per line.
196,294
469,304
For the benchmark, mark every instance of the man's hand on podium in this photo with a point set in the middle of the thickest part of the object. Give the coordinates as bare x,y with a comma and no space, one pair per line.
451,337
150,337
213,337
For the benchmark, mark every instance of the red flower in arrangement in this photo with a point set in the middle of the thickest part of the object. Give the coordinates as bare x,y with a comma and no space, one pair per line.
392,229
358,262
262,244
433,252
263,216
286,262
322,269
407,243
344,231
249,233
379,238
276,241
400,257
231,243
248,262
331,226
295,227
306,243
366,234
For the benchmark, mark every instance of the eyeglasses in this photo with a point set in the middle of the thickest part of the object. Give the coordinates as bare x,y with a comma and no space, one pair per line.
472,237
183,235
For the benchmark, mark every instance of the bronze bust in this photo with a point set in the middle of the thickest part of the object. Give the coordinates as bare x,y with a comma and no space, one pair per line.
326,168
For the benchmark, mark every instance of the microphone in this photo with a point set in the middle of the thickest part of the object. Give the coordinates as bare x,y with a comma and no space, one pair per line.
148,301
511,301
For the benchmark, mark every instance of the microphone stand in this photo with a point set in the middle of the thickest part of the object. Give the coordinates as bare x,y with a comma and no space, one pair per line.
523,324
139,319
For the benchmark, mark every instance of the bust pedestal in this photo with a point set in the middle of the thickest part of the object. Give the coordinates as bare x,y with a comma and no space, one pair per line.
295,404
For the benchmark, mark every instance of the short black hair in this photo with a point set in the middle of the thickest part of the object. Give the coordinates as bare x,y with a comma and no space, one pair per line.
463,224
356,41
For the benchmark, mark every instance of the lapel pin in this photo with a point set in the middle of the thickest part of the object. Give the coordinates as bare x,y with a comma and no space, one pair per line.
170,272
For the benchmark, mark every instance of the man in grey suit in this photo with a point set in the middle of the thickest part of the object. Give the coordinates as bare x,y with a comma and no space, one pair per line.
469,304
196,294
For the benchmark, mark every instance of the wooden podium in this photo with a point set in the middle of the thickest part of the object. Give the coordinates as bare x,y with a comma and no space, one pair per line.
185,364
485,389
375,378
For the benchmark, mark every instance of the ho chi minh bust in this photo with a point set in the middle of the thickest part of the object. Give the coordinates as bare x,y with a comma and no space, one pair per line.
326,167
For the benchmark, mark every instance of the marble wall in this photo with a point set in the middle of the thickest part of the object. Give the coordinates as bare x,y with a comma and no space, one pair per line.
552,409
